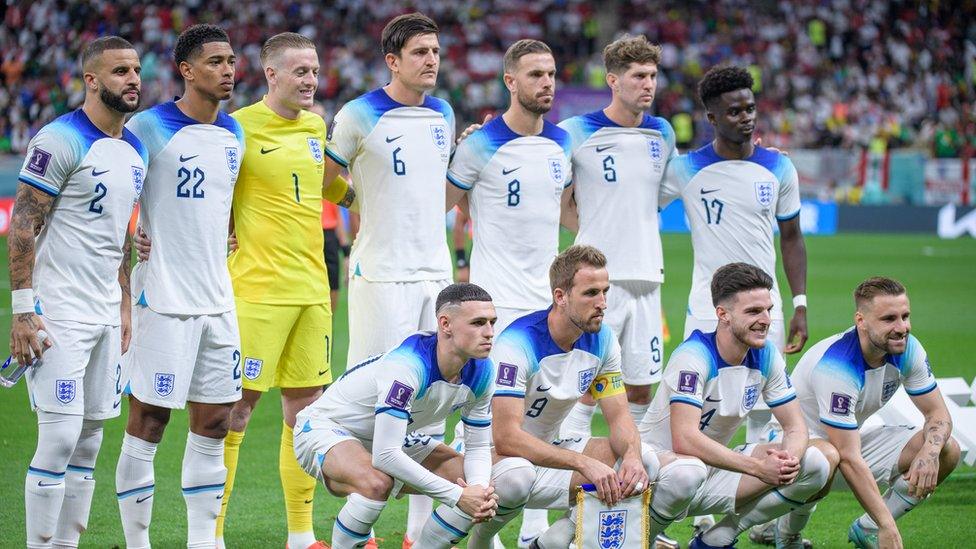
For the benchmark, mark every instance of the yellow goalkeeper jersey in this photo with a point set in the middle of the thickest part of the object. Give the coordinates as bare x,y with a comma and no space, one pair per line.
278,210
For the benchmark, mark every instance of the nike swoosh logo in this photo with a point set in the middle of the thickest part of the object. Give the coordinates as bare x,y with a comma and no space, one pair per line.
116,405
96,173
392,139
703,191
541,390
42,483
710,399
601,149
506,172
144,498
307,501
266,151
221,496
523,539
238,388
184,159
323,372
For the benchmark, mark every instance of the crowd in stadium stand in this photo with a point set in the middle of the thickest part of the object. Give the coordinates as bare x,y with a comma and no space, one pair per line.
831,73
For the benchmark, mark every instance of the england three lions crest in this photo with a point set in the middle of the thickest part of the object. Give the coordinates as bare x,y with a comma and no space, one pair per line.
138,178
557,172
438,133
164,384
586,378
613,529
64,390
315,147
764,193
750,396
233,155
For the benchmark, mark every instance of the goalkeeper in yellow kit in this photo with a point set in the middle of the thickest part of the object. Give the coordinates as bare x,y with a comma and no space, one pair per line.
279,275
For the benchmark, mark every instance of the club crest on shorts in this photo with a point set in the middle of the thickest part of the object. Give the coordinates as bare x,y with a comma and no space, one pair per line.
164,384
64,390
556,171
586,378
506,374
252,367
315,147
750,396
687,381
39,159
613,529
233,155
840,404
764,193
438,133
138,175
888,389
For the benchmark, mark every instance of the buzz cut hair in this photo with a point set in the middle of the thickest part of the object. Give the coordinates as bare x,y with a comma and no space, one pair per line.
282,41
96,47
564,267
190,42
621,53
735,278
875,286
520,49
461,292
402,28
722,79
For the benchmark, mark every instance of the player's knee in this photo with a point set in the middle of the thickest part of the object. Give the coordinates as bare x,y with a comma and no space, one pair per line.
147,422
57,437
89,442
513,478
376,485
816,468
652,464
830,453
682,476
638,394
950,455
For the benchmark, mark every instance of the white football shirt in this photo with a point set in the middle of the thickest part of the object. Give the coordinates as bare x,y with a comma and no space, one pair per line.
531,366
185,210
96,181
836,386
731,206
617,173
397,156
698,376
515,183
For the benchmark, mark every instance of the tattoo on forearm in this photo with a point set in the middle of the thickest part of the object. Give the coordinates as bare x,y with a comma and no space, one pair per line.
125,268
348,199
937,432
26,220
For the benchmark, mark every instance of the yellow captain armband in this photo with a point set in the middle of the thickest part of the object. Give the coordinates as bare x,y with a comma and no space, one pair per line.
606,385
336,191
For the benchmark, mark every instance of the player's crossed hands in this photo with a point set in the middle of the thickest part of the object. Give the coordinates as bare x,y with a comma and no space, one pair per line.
778,467
603,477
479,502
632,477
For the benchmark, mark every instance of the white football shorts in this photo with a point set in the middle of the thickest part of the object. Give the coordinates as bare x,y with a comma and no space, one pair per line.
634,314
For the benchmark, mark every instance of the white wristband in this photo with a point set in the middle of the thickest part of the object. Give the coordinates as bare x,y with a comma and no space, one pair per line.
22,301
799,301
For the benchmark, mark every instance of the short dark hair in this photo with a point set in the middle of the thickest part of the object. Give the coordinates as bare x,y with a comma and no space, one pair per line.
456,294
722,79
191,41
520,49
402,28
875,286
283,41
619,54
735,278
564,267
99,45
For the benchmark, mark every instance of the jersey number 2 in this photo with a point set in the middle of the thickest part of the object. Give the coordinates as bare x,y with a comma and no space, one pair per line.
100,192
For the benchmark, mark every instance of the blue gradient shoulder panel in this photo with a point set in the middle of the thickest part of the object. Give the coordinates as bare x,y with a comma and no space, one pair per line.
582,127
843,359
703,345
531,333
419,352
157,126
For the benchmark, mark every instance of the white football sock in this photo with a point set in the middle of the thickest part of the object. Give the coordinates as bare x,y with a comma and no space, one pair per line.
57,435
577,423
79,486
301,539
796,520
559,535
534,523
814,472
445,527
419,509
355,521
677,483
203,481
638,411
135,484
897,500
512,478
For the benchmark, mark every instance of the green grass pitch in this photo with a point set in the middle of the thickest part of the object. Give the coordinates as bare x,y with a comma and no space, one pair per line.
939,275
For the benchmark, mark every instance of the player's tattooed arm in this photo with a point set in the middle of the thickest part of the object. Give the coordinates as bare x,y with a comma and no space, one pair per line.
923,473
125,275
30,210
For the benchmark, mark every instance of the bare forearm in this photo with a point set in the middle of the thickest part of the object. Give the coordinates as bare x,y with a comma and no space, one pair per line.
717,455
936,432
25,222
518,443
625,440
794,252
125,270
859,478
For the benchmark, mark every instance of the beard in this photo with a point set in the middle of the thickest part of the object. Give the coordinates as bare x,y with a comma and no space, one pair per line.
117,102
744,334
533,106
881,341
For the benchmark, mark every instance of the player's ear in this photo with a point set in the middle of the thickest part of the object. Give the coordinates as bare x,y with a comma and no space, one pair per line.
392,62
186,71
444,323
269,74
722,313
612,81
509,82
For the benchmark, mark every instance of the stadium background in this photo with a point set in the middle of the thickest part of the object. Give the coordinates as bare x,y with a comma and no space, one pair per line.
874,100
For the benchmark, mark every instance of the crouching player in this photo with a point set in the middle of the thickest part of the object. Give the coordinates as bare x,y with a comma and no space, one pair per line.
842,381
711,382
546,361
354,437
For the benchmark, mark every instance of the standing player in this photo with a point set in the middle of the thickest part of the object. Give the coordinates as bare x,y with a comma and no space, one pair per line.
354,437
733,191
281,286
841,382
396,143
185,344
711,382
82,175
619,158
546,361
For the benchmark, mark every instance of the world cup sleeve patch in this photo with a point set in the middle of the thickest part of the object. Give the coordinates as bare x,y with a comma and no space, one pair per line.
399,395
506,374
840,404
39,160
687,381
